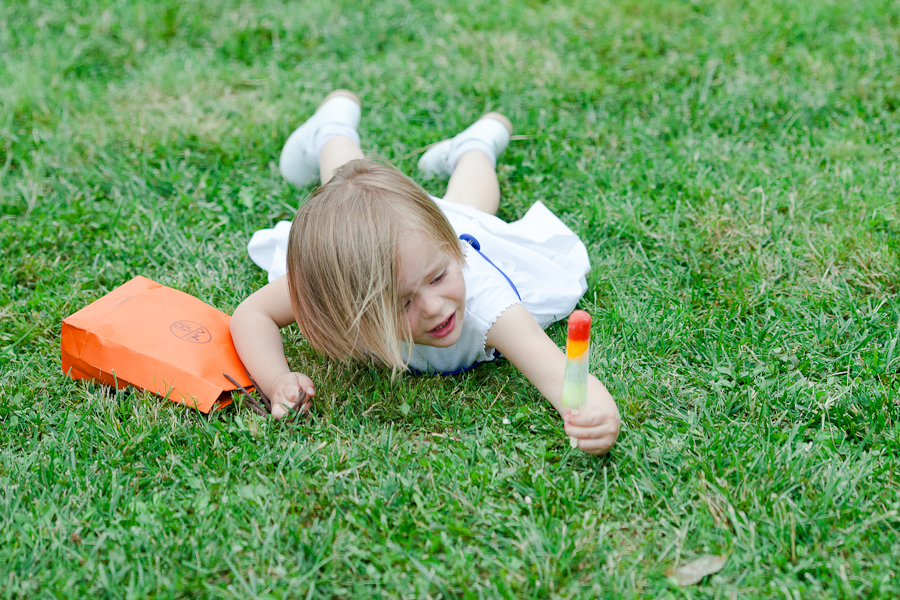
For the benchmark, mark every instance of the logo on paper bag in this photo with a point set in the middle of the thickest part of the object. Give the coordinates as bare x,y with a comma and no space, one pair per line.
191,332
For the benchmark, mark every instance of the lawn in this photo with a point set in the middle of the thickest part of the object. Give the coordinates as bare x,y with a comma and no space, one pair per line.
732,167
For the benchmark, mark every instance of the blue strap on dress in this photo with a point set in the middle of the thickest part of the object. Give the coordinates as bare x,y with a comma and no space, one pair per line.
477,247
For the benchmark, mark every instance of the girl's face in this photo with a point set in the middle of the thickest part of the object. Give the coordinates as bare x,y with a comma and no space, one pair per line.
433,291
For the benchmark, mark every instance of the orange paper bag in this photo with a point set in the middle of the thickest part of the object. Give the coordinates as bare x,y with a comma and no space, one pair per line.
154,338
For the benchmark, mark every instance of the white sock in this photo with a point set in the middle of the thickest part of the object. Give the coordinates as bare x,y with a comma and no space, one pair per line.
328,131
468,146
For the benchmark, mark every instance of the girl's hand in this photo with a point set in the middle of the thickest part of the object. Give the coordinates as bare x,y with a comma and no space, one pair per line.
595,426
291,390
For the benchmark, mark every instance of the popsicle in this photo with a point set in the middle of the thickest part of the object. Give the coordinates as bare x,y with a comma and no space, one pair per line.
578,359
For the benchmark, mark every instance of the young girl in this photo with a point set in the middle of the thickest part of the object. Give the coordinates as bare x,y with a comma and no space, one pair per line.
377,269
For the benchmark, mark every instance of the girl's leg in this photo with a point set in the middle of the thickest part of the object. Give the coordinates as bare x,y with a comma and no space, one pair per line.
469,158
337,151
474,183
333,126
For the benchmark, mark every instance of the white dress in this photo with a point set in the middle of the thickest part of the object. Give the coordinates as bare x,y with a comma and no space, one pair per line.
536,261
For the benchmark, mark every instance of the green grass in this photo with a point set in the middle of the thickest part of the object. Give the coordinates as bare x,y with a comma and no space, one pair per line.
732,167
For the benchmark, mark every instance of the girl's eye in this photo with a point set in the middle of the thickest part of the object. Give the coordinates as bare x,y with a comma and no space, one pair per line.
440,277
407,304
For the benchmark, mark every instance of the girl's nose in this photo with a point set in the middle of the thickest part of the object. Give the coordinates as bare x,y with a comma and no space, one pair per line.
431,305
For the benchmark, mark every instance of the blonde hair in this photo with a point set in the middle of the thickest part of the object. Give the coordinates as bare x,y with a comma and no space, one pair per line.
342,260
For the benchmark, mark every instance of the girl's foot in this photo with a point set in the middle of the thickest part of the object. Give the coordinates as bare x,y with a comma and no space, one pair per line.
338,114
489,134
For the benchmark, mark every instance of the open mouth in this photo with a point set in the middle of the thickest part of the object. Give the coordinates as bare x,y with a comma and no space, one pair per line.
444,328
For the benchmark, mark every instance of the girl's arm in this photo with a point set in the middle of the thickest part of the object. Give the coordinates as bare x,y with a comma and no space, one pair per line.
522,341
256,330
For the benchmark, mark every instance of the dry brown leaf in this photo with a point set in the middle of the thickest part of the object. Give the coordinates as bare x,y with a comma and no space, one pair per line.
692,572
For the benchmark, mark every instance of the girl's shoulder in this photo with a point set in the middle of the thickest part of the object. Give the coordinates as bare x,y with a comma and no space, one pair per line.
537,259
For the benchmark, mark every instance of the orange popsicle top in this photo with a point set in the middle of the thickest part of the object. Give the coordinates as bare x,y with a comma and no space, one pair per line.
579,334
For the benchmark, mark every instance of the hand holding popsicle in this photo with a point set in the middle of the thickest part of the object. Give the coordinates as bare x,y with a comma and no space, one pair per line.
596,424
591,417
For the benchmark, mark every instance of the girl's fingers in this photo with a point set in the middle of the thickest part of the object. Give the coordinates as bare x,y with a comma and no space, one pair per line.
598,435
598,446
278,411
306,384
589,419
294,399
584,433
286,408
